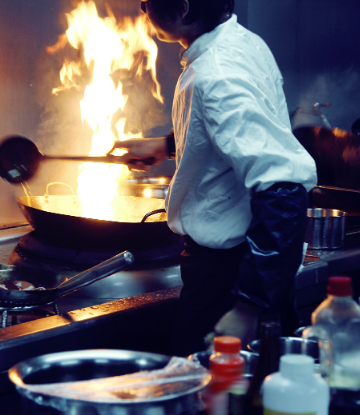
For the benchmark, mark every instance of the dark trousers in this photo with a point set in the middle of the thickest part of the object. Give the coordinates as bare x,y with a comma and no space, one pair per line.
208,276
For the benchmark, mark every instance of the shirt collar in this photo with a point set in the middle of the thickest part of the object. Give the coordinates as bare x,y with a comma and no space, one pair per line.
208,40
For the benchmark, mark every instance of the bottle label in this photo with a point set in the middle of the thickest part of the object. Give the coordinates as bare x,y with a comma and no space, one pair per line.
271,412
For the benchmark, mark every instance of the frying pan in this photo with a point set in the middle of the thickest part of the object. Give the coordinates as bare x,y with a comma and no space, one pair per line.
59,219
55,285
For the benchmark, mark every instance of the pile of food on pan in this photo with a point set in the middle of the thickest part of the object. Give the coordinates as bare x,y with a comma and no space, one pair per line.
19,285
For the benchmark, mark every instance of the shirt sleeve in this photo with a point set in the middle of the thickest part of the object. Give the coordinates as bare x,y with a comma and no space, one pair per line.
243,121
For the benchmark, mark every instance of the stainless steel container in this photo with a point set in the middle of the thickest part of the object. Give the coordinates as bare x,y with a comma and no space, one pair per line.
155,187
294,345
250,358
93,364
325,228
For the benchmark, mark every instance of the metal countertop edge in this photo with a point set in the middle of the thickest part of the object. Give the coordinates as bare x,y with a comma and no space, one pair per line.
45,327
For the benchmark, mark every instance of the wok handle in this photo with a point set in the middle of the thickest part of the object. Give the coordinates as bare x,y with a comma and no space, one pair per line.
102,270
101,159
153,212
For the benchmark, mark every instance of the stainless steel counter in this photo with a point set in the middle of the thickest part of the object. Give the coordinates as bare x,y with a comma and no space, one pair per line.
124,284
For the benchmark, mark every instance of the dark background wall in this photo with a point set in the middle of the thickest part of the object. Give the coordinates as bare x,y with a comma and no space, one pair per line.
317,47
315,42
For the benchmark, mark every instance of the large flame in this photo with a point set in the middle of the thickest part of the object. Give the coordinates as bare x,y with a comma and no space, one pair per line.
105,46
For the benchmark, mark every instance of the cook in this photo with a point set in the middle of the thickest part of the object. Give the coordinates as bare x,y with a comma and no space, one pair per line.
239,192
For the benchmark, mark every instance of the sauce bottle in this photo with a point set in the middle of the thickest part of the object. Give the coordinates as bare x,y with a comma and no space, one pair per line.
268,363
226,366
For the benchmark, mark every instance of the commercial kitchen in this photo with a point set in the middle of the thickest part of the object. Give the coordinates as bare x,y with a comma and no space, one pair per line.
317,48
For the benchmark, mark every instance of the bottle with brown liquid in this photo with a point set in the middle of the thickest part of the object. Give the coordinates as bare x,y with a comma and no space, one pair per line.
268,363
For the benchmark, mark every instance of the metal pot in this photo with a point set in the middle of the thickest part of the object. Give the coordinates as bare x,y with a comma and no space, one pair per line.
250,358
93,364
325,228
156,187
291,345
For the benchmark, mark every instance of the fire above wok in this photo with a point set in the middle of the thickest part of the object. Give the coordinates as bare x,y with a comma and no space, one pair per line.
59,219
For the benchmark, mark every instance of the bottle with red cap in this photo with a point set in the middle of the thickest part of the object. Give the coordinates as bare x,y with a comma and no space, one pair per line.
227,367
336,322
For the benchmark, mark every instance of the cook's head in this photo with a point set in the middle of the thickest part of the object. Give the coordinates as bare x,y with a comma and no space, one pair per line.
173,19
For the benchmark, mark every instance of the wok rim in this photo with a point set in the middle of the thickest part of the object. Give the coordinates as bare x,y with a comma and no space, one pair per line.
26,206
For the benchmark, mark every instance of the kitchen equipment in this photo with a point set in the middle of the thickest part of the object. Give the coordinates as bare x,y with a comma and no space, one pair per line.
331,197
156,187
325,228
55,288
59,219
250,358
95,364
20,159
336,153
293,345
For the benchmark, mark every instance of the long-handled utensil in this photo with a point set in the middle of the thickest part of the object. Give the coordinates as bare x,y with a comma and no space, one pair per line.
20,159
22,298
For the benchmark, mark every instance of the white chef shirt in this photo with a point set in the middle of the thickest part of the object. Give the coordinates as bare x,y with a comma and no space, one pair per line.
233,136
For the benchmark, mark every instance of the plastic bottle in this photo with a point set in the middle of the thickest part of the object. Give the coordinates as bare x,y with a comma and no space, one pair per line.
226,366
336,322
295,389
268,363
237,396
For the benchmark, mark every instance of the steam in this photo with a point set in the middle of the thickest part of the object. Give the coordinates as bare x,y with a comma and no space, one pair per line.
339,88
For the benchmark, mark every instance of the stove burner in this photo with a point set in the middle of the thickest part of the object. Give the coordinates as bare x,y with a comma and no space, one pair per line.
27,313
37,252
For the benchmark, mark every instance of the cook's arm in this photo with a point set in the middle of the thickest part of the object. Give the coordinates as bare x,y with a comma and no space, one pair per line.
138,150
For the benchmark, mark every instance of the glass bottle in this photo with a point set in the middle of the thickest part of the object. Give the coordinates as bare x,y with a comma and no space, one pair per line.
268,363
336,323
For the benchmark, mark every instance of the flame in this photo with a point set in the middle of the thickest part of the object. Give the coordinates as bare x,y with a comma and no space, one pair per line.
105,47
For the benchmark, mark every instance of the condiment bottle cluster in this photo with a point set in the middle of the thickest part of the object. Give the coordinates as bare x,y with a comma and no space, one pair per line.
289,384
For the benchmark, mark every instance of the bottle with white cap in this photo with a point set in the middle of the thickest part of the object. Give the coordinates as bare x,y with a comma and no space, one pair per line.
296,389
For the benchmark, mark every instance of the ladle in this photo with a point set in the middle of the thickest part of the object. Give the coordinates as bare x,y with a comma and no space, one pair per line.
20,159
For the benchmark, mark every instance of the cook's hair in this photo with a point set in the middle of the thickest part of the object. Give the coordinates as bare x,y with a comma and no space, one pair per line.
206,13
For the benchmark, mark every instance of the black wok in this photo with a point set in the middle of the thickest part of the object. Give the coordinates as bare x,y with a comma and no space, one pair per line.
54,285
336,153
58,219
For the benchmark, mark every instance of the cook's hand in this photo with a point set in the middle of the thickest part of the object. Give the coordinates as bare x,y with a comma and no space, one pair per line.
242,321
141,153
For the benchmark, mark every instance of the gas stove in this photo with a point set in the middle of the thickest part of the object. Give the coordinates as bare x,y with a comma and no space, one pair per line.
155,268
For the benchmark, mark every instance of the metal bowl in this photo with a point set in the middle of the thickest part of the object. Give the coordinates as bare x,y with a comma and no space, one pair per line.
298,332
94,364
294,345
249,357
155,187
325,228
